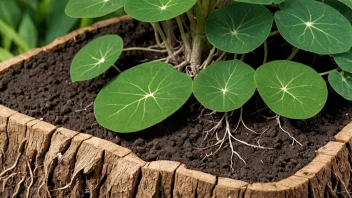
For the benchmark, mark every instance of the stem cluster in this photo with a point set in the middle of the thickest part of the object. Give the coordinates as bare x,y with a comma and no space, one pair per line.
192,30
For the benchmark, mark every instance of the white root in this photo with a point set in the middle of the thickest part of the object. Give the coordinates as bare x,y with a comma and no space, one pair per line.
258,141
170,57
18,187
12,167
73,178
64,187
215,128
86,108
181,66
289,134
228,135
20,150
147,49
5,181
31,182
3,156
40,187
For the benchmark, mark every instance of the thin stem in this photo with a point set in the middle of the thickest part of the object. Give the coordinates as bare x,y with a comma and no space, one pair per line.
183,35
143,49
212,4
293,54
156,35
117,69
199,3
167,27
242,57
210,57
185,25
328,72
235,56
273,33
191,18
265,52
163,37
221,57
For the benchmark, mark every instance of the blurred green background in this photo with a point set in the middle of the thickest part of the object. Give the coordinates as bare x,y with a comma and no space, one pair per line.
28,24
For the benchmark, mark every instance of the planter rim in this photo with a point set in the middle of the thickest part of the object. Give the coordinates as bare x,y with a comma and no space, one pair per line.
185,181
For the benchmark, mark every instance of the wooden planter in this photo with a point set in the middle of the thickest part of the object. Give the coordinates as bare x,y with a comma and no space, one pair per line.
35,155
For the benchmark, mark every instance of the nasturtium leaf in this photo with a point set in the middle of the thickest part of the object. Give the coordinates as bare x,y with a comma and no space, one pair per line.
342,8
225,86
96,57
347,2
92,8
261,1
157,10
344,60
291,89
256,1
314,26
239,27
341,82
141,97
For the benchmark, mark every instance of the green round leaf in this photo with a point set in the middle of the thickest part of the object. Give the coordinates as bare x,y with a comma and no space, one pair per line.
342,83
347,2
96,57
157,10
342,8
344,60
239,27
261,1
256,1
92,8
291,89
132,102
314,26
225,86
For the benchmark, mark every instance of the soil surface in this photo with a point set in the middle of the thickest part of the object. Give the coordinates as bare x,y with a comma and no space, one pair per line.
41,87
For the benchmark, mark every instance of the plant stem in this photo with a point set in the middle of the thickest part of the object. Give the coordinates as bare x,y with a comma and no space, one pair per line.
293,54
242,57
191,17
210,57
235,56
220,57
117,69
328,72
143,49
183,35
273,33
169,33
198,36
163,37
265,52
212,4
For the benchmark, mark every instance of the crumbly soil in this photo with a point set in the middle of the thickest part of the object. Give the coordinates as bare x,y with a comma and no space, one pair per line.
41,87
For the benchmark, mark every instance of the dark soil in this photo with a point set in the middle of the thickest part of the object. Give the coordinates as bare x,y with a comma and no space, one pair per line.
41,87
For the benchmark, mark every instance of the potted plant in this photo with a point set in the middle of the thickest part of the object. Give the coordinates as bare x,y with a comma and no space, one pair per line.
203,49
149,93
